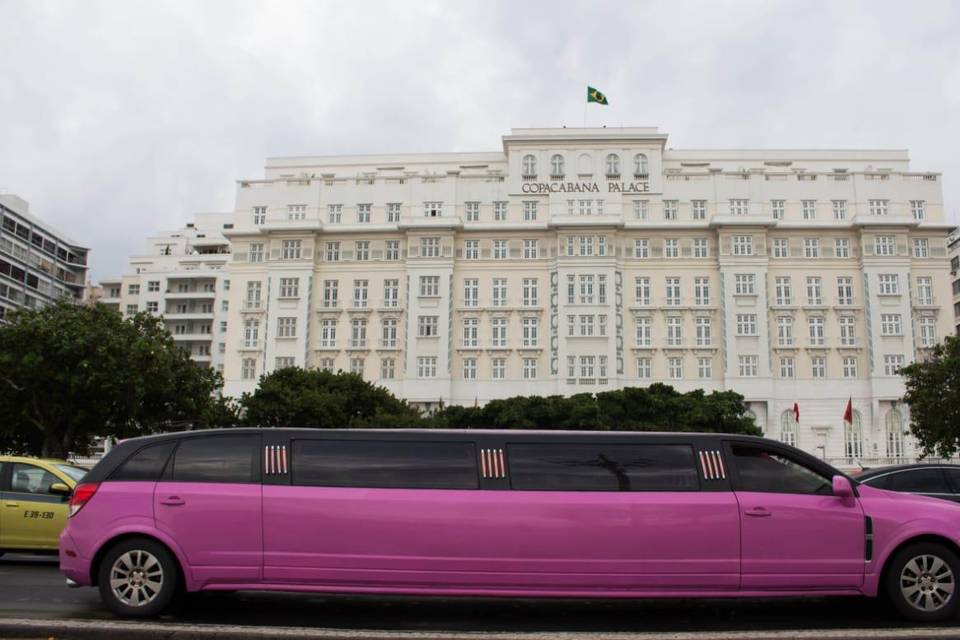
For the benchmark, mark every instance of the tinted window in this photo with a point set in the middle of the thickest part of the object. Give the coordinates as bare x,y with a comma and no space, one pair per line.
217,459
918,481
954,476
146,464
878,482
602,467
27,478
398,465
763,470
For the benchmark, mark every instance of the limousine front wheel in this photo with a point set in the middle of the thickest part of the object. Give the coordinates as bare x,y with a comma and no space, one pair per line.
138,578
922,582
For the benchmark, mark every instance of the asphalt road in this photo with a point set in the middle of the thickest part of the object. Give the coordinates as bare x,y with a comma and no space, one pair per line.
32,587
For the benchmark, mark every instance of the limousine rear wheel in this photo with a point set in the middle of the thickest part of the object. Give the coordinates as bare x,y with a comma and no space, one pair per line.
922,582
138,578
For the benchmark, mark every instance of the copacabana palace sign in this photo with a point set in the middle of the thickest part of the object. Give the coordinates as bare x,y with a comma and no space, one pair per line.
640,186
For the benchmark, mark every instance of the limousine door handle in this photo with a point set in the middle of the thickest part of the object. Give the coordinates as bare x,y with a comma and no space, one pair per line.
757,512
173,501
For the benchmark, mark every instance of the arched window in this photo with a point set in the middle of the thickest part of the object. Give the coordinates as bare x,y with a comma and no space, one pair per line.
788,428
556,166
529,166
613,164
894,434
640,167
853,437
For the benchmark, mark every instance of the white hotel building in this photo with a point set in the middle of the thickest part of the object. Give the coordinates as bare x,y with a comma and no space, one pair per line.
583,260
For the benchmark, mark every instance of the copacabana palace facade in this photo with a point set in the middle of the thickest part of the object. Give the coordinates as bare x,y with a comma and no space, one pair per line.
585,260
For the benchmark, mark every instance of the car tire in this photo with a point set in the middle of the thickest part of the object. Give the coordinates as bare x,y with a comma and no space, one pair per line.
922,582
138,578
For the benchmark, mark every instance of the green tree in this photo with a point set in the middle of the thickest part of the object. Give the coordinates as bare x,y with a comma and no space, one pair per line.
933,394
69,373
294,397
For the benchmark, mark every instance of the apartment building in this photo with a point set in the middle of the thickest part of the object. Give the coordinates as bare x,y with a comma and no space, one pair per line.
38,264
182,276
953,249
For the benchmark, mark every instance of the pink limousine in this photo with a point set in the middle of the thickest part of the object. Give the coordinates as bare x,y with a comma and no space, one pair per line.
498,513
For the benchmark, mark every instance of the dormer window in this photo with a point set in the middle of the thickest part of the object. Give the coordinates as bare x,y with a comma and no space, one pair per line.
613,165
529,166
641,168
556,166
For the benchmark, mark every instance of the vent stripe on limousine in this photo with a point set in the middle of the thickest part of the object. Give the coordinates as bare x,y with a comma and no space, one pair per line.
274,459
712,464
491,463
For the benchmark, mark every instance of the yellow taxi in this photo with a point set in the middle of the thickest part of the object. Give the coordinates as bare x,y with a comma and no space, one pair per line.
34,496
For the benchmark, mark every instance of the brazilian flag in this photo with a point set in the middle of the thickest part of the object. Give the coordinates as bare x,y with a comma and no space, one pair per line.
595,96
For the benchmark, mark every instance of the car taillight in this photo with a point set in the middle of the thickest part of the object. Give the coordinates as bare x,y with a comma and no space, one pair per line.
81,495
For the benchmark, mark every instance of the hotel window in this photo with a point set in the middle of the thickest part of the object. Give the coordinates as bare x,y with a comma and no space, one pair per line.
358,333
284,362
885,245
153,286
602,246
739,207
472,211
153,306
746,324
844,290
289,287
701,291
783,290
530,292
879,207
925,290
705,367
602,325
673,292
890,324
256,252
839,209
811,247
392,250
704,331
388,368
333,251
427,367
531,330
500,210
334,213
921,248
777,209
499,330
892,364
530,210
363,250
499,292
743,245
326,364
670,209
602,289
643,368
602,369
744,284
928,331
642,289
808,209
529,166
248,369
849,367
471,292
787,368
393,212
286,327
429,286
641,167
586,207
133,289
388,333
781,248
587,366
613,165
363,213
641,209
816,331
841,247
529,368
530,250
571,325
818,367
291,249
889,284
223,326
330,290
259,215
749,366
430,247
432,209
700,248
918,208
699,208
471,249
469,368
671,248
674,331
675,368
586,325
641,248
586,289
428,326
556,166
251,333
571,288
814,291
360,293
499,249
296,211
848,335
586,245
784,331
471,332
644,338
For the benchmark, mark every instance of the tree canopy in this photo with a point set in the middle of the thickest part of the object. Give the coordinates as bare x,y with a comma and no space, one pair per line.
933,394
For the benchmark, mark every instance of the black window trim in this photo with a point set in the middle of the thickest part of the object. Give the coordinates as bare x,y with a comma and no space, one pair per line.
794,455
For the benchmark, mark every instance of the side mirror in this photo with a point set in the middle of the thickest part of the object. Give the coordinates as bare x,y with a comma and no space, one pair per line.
60,489
842,487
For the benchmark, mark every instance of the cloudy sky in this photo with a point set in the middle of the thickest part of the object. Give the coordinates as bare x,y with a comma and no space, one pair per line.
118,119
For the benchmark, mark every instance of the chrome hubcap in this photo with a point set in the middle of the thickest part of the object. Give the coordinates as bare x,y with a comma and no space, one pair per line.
136,578
927,583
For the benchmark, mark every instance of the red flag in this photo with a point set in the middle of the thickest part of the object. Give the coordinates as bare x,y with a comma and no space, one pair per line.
848,414
796,412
